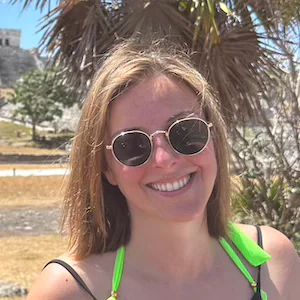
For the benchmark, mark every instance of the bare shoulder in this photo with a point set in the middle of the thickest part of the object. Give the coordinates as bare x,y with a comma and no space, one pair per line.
278,245
274,241
55,283
284,261
284,265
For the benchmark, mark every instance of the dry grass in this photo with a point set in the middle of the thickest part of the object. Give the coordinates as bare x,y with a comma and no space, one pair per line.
32,166
23,257
39,191
30,151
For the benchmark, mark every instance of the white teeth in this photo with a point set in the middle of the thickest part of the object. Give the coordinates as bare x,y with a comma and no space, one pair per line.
170,187
176,185
185,180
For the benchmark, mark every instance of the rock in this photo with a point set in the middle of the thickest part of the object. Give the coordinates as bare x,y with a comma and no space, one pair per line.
36,221
11,290
28,228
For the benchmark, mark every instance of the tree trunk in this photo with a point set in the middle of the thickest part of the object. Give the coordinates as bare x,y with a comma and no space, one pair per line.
33,131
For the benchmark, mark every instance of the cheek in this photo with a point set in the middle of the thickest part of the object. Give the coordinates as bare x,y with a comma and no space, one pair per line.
126,176
209,152
207,158
130,181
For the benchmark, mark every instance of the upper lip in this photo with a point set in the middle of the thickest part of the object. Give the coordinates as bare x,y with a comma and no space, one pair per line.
170,179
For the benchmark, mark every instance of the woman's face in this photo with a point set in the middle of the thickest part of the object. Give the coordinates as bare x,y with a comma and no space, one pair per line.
148,107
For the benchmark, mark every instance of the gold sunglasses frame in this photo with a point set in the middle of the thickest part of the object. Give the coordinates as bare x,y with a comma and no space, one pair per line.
166,133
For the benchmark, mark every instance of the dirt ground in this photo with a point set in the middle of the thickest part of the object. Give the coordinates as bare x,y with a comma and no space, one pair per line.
30,240
29,221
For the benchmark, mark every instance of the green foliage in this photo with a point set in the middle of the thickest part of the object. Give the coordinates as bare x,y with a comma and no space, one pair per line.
41,96
271,201
266,155
268,189
232,43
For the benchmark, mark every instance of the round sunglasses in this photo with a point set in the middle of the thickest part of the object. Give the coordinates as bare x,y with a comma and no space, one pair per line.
188,136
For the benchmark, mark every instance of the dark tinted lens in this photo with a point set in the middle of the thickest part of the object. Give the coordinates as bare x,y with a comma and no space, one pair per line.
189,136
132,149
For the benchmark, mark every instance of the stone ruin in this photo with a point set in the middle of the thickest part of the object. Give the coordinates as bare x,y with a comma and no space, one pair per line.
15,61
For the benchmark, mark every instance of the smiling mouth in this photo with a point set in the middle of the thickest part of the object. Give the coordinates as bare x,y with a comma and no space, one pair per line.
172,186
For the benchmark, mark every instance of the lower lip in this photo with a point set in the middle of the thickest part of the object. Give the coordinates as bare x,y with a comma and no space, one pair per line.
177,192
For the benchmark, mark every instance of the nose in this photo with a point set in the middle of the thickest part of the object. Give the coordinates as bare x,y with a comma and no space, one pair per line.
163,155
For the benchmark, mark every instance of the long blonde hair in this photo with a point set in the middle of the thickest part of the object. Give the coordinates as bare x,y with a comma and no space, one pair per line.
95,213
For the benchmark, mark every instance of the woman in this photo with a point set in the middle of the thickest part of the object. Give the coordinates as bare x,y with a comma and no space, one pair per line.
149,193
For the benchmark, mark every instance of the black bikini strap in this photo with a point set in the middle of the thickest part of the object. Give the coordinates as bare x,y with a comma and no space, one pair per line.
260,243
73,273
259,237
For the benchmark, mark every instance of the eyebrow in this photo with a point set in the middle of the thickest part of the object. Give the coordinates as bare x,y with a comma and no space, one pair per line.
182,114
172,119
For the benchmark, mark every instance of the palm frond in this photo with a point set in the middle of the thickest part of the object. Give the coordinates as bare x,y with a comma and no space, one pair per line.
234,51
234,67
39,4
78,33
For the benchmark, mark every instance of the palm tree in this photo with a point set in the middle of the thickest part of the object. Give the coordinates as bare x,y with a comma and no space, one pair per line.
231,42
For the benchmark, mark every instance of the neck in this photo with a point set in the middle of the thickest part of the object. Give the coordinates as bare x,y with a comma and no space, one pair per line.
180,251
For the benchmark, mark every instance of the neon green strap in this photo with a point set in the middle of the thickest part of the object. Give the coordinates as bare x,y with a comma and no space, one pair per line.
118,270
254,254
236,260
249,249
263,294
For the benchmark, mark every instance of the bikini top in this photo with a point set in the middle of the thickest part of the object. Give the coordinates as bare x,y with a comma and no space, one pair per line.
252,252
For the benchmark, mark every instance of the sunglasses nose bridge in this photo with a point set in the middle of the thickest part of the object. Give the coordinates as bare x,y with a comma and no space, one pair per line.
164,132
158,132
163,154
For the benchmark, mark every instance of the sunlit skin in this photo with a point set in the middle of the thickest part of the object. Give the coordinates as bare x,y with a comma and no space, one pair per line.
149,106
171,219
170,254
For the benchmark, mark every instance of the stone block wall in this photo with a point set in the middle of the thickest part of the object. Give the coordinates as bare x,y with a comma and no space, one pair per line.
10,38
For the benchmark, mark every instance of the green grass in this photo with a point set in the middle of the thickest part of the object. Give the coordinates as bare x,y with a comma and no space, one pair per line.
9,131
16,135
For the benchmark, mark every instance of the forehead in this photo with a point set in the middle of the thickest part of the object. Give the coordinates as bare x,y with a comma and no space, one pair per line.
151,103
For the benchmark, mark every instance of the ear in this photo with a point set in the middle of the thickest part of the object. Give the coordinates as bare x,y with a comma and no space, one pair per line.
110,176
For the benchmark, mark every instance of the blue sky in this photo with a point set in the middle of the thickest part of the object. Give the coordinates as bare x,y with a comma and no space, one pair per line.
12,18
